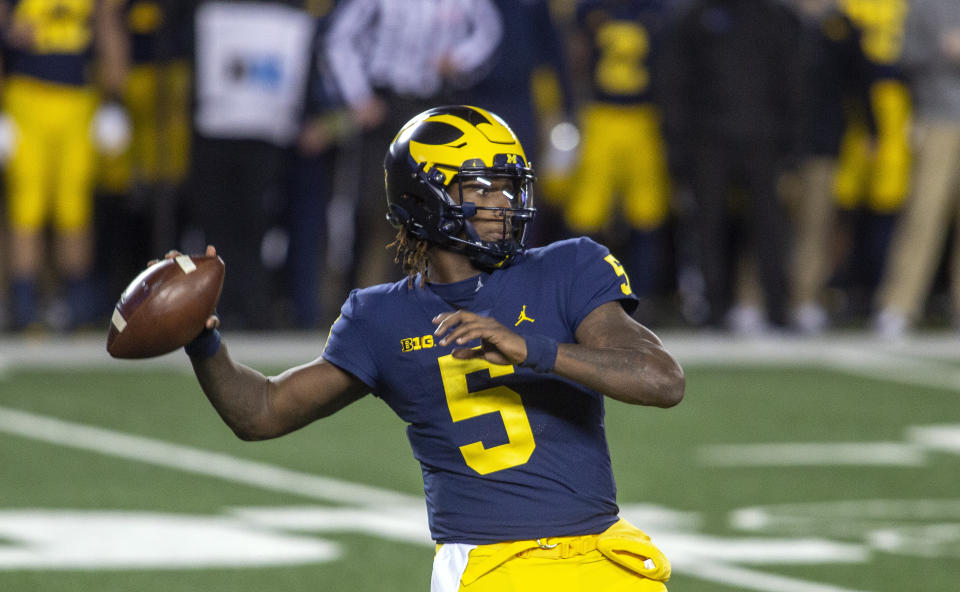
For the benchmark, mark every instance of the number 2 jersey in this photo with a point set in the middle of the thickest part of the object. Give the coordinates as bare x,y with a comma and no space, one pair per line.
61,34
506,453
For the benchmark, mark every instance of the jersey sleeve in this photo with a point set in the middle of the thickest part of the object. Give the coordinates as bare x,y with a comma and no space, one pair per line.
597,278
347,344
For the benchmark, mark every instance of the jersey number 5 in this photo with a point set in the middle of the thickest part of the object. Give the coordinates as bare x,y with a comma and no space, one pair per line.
620,271
464,404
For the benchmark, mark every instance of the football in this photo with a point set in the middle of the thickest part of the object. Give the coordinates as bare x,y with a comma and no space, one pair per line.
165,307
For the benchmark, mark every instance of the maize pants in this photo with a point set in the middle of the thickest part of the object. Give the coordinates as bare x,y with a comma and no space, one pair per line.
50,176
619,559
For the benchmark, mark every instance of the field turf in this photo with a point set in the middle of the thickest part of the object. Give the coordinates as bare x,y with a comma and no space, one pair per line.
826,465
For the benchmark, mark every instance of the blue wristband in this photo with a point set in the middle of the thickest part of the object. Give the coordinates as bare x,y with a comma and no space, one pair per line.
205,345
541,353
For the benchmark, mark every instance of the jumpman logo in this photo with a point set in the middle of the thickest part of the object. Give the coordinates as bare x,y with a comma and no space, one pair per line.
523,316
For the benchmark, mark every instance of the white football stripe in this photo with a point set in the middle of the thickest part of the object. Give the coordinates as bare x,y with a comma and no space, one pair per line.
186,264
118,321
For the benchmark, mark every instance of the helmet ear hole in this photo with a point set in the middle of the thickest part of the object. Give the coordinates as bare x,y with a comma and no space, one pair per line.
397,216
436,176
452,226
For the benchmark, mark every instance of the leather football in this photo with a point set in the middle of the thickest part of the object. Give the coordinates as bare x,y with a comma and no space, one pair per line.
165,307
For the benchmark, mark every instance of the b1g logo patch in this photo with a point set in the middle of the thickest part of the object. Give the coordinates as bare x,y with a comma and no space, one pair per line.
416,343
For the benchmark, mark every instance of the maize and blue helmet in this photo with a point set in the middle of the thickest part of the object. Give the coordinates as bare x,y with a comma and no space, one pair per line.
426,165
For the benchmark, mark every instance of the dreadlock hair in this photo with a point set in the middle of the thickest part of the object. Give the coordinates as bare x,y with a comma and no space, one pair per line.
411,255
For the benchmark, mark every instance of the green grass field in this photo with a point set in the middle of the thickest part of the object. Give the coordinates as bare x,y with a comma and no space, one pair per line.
791,466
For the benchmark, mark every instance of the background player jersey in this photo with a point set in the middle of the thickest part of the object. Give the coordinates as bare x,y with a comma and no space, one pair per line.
506,453
623,36
63,40
159,30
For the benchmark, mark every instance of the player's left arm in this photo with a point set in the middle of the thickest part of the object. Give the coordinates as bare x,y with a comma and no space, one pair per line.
619,357
613,354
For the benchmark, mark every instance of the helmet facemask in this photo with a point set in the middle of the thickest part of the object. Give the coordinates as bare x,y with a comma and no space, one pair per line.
490,195
437,171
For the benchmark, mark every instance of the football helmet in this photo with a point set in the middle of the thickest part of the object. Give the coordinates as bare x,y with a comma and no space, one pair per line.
427,165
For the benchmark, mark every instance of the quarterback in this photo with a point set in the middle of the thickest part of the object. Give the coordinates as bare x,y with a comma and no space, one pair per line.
496,356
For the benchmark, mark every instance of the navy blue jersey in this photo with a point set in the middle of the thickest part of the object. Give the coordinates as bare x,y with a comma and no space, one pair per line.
624,37
506,453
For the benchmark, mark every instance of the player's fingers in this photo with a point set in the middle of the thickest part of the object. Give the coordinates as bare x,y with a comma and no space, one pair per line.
446,315
459,315
460,335
445,321
481,328
211,250
467,353
171,254
461,330
492,355
212,322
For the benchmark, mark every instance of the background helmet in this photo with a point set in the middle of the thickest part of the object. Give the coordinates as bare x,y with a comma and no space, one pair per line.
426,165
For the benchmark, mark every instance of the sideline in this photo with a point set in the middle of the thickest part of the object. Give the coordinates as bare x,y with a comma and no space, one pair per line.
926,360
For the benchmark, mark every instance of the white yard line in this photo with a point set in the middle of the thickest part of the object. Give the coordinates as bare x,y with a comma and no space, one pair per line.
793,454
194,460
742,578
939,437
921,361
898,369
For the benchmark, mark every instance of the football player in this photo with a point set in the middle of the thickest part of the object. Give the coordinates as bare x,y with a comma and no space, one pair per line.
497,357
623,158
836,75
873,174
48,128
156,93
136,187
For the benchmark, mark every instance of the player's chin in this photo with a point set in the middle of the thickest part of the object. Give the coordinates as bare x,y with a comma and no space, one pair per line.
491,232
492,237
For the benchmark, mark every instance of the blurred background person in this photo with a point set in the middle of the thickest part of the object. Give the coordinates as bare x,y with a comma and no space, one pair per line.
835,73
252,66
64,65
873,172
620,192
528,82
730,88
389,61
313,286
135,209
931,57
